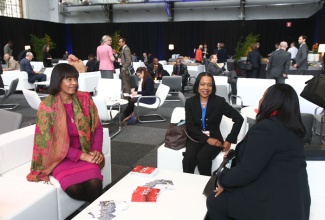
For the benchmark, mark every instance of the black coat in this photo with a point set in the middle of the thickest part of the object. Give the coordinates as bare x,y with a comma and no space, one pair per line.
269,180
216,108
254,57
148,90
301,57
279,63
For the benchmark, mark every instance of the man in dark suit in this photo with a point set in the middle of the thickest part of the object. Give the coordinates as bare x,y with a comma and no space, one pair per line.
32,75
213,68
180,69
301,58
125,60
279,63
155,69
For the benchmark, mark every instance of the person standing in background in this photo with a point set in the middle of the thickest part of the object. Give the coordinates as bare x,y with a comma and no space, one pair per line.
8,48
301,59
293,50
279,63
125,60
65,55
47,58
254,58
206,54
198,54
106,58
222,55
145,58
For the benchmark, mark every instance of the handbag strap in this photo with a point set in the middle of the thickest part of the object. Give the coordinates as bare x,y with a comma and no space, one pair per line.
190,137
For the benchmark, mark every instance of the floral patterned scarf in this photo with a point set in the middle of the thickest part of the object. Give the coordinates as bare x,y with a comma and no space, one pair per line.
51,140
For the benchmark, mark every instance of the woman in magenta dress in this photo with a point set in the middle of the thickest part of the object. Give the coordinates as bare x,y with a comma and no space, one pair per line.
68,138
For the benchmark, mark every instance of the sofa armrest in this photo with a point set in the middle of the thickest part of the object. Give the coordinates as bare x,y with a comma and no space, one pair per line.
16,144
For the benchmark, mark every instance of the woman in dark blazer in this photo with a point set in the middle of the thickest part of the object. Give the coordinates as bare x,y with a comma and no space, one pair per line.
254,58
269,180
147,88
47,58
208,108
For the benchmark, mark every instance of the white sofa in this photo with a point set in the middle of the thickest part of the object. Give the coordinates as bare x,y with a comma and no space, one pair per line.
35,200
170,159
23,83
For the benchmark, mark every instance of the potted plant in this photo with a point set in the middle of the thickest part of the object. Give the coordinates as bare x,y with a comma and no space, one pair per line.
39,43
244,46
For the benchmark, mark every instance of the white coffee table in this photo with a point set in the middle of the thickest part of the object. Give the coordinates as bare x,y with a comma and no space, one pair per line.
110,102
250,112
185,202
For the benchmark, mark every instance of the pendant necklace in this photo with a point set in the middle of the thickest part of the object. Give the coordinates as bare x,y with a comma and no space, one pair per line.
72,120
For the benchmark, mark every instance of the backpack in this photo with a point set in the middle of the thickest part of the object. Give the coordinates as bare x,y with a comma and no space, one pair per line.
130,120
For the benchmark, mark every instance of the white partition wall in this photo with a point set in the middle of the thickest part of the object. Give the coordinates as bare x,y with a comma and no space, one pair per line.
251,90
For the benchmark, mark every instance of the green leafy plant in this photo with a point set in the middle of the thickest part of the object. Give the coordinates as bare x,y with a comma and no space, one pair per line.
244,45
115,37
39,43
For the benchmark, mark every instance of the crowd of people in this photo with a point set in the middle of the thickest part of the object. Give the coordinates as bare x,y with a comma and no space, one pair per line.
269,172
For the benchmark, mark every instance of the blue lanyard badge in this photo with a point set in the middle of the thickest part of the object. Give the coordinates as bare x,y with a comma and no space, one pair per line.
203,116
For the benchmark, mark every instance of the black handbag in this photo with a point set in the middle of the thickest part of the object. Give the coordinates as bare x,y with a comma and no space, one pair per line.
176,136
212,183
314,90
246,66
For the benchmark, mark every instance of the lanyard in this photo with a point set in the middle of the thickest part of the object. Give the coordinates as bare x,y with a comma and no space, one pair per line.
203,116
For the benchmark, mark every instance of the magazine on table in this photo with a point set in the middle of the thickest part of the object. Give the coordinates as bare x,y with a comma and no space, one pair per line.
145,171
107,210
161,184
145,194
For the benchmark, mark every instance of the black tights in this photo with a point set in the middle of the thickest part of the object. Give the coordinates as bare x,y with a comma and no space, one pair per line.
87,191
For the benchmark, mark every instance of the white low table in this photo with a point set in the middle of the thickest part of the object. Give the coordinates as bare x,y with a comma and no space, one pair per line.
185,202
250,112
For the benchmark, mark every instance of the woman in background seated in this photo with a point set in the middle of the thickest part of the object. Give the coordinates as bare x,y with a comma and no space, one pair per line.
78,64
146,88
68,138
269,180
204,112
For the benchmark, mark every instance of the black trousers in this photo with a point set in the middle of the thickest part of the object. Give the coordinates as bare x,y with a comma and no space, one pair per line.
200,155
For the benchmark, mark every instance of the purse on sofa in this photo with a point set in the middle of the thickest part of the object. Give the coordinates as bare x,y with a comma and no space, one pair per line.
314,90
212,183
176,136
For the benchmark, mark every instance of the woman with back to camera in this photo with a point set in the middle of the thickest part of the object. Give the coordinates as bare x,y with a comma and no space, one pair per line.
254,58
68,138
269,180
47,58
146,88
105,56
204,112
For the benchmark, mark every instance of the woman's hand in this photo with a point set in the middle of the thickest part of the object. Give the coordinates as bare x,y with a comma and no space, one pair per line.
218,190
226,146
92,157
97,157
214,142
